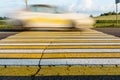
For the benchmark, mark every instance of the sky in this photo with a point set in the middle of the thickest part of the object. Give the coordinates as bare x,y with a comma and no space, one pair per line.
91,7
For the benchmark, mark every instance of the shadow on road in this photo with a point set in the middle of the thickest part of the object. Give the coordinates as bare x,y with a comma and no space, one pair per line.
63,78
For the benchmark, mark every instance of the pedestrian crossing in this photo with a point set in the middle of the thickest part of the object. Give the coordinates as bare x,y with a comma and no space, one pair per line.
68,48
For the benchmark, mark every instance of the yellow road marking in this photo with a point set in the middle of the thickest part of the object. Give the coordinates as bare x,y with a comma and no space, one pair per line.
22,47
26,40
22,34
61,37
59,70
58,47
60,33
55,34
60,55
20,55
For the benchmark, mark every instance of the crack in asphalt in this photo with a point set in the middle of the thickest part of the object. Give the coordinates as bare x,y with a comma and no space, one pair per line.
39,65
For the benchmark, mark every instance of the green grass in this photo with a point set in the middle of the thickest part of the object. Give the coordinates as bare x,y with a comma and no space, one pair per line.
3,25
107,21
109,17
106,25
6,26
2,22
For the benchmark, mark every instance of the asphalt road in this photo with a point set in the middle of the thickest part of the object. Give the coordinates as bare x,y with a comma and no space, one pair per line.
111,31
6,34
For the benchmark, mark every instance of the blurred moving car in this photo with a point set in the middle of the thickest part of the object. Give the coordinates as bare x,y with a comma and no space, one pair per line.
47,16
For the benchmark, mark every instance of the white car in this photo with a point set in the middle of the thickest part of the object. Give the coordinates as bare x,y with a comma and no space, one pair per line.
47,16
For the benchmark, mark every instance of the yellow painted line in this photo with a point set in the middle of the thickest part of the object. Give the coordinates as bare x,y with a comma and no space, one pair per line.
61,36
52,33
59,70
49,31
22,47
60,55
20,55
42,35
62,32
80,35
26,41
59,47
48,20
56,34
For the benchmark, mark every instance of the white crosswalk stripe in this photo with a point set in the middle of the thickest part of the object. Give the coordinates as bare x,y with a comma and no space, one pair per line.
60,62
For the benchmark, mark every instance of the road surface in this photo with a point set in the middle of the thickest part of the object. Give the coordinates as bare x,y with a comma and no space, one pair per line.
68,53
6,34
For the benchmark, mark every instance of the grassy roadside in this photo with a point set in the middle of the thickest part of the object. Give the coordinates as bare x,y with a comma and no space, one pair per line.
107,21
4,26
104,25
109,17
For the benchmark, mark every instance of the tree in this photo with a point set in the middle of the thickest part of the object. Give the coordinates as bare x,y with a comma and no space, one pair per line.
4,18
108,13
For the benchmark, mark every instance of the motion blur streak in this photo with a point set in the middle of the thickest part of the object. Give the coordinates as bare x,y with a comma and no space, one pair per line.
48,16
47,20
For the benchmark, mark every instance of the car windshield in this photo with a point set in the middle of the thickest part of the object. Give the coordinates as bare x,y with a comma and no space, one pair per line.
46,9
